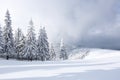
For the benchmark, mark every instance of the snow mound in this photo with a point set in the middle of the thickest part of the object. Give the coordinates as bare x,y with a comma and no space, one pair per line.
92,53
99,64
102,53
78,53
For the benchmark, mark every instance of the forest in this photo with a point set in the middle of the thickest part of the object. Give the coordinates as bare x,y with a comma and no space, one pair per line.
21,47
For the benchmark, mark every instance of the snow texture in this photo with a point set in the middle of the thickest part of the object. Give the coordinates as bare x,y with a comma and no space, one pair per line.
99,64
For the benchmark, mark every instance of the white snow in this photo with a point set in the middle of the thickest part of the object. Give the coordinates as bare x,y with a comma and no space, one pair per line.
100,64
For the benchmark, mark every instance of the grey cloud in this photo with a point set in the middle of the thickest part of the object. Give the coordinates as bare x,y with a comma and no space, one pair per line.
89,23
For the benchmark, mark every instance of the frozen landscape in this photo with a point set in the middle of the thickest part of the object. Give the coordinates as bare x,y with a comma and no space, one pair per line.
99,64
59,39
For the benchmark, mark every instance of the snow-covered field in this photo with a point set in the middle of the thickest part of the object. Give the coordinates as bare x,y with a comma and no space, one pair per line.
98,65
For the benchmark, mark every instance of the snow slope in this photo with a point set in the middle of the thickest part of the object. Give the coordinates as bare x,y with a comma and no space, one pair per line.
98,65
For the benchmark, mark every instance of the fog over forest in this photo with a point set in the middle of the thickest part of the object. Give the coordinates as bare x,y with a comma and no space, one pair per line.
86,23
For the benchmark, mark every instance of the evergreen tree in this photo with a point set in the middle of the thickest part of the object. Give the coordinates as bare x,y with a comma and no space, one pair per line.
1,43
30,44
63,53
8,37
19,43
52,53
43,45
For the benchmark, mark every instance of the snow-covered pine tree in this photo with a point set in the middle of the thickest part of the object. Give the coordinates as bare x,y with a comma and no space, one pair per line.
39,44
1,43
19,44
43,45
30,50
52,53
8,37
63,53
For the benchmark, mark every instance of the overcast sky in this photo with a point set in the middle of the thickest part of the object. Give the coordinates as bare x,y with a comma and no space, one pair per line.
90,23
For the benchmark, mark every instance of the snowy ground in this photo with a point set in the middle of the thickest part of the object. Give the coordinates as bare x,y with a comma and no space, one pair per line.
98,65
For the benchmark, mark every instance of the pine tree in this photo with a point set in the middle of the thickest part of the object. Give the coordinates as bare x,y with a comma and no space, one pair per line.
63,53
43,45
8,37
1,43
52,53
30,44
19,43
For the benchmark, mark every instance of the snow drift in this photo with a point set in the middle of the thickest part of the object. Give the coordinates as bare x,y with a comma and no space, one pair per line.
99,64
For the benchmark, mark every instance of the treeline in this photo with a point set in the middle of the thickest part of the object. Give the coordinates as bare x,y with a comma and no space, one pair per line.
27,47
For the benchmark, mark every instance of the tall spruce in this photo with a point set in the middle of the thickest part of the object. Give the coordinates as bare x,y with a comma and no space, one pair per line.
43,45
52,53
1,43
19,44
30,44
8,37
63,53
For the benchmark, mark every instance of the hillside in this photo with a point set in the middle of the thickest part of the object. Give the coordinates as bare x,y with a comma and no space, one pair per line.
99,64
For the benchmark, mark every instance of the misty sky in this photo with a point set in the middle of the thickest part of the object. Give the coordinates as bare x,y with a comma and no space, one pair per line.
87,23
